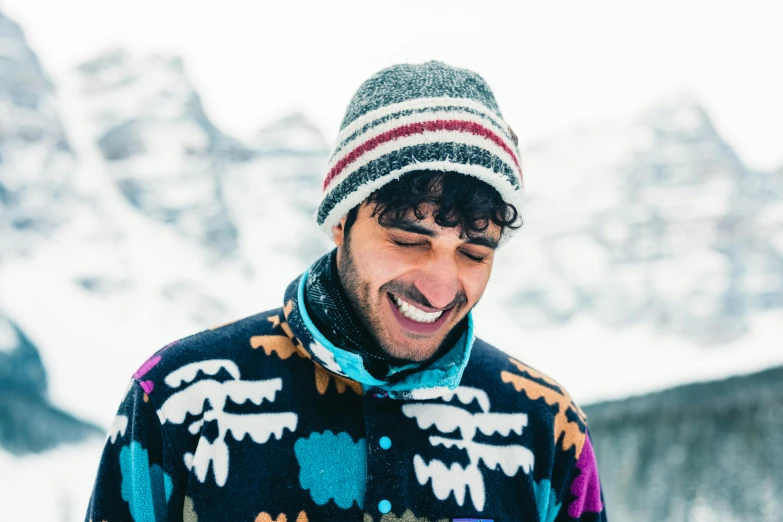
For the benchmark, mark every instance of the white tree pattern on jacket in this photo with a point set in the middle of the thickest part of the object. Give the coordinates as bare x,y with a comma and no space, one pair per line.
447,418
260,426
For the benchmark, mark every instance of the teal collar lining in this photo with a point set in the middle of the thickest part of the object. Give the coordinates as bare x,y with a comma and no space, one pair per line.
445,372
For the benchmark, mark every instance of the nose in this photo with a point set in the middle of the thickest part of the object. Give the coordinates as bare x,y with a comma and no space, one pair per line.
439,280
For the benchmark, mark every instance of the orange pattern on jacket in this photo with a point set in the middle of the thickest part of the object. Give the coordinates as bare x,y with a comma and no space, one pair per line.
266,517
287,345
570,431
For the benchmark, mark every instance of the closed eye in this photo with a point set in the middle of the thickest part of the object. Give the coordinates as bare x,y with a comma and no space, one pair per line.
405,244
474,258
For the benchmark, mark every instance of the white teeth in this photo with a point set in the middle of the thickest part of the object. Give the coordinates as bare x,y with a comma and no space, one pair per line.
414,314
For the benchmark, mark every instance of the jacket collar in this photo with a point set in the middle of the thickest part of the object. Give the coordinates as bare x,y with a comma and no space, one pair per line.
442,375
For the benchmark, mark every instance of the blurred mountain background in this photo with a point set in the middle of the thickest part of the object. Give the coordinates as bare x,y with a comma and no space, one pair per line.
651,262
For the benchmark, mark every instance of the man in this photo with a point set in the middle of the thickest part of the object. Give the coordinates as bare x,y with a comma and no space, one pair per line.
366,397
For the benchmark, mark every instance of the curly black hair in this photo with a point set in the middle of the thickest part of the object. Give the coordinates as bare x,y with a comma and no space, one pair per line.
460,201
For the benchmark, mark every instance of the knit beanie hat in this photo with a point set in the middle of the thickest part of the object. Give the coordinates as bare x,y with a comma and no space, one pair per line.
428,116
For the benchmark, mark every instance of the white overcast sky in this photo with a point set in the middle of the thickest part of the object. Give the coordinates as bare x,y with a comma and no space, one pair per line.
550,64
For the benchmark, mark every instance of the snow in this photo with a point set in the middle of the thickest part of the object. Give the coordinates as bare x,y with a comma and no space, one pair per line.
55,485
8,337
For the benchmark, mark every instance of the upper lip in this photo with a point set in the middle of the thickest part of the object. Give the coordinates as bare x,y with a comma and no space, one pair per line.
420,306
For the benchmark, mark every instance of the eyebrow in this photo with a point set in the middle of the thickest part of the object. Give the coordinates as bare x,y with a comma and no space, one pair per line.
484,241
407,226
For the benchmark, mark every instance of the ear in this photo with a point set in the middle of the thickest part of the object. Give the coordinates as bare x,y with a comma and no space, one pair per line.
338,232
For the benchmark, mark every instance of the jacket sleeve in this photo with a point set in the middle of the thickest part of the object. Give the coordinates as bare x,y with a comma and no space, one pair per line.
131,483
584,499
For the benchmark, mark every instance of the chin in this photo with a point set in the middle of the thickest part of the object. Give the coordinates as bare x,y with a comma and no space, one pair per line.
413,355
423,354
414,350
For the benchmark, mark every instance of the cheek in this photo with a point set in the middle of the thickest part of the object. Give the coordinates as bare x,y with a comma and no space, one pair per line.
380,265
387,265
474,281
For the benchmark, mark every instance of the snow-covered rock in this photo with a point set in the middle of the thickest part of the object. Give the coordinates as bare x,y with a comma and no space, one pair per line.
36,161
651,221
292,135
158,145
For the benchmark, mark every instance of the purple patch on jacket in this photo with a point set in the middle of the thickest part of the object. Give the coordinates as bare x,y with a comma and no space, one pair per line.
147,366
586,487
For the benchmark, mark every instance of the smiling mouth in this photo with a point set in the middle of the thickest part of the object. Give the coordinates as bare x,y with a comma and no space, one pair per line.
413,313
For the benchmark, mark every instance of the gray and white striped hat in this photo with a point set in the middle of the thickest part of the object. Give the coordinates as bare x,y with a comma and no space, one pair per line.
409,117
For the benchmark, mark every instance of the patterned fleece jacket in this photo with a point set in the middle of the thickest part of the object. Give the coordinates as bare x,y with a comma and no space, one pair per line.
264,420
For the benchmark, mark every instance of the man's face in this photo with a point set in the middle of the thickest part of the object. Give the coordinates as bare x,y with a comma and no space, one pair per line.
413,282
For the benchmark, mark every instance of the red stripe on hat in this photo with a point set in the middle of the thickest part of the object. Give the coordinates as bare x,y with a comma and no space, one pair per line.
418,128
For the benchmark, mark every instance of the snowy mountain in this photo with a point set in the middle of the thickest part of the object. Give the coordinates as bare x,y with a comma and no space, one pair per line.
293,135
651,256
273,197
36,162
158,146
671,229
116,279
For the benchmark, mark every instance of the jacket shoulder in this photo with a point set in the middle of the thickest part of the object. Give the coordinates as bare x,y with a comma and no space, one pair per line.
515,383
488,361
229,347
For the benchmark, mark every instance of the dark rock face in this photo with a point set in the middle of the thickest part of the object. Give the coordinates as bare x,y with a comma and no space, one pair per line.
28,422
